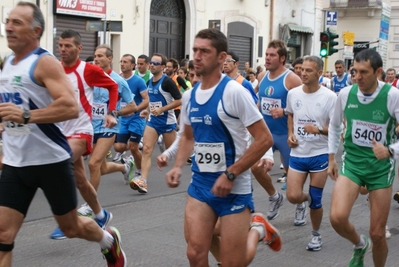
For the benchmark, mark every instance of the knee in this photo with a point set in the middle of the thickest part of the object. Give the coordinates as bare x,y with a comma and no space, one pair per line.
94,164
294,197
314,197
70,232
6,237
195,254
338,220
377,235
256,169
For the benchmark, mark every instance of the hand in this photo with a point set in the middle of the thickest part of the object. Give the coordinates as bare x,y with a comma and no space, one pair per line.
11,112
156,111
222,187
292,141
162,161
267,164
277,112
332,170
173,177
109,121
144,113
380,151
311,128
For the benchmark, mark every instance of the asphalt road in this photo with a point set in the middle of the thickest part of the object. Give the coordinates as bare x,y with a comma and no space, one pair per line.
152,229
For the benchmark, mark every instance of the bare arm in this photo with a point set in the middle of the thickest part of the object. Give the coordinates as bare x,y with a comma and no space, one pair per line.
48,73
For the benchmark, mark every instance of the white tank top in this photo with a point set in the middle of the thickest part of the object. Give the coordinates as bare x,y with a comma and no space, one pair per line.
30,144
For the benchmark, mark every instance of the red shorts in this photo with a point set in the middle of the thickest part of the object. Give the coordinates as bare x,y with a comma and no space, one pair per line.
89,142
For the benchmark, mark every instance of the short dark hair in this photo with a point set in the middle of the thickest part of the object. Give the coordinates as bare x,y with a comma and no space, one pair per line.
281,47
174,62
145,57
163,58
218,39
297,61
233,56
132,58
37,16
391,69
77,39
184,62
191,64
90,59
370,55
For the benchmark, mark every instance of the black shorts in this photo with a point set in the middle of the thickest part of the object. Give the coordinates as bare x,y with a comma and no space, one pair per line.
18,186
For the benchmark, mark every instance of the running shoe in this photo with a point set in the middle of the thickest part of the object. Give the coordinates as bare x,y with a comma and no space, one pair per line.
104,221
396,197
118,156
358,254
272,236
139,184
85,210
282,179
388,234
161,144
115,256
284,187
315,243
281,166
109,155
274,206
300,214
57,234
129,167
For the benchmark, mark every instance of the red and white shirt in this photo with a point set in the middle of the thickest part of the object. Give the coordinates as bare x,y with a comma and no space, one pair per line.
84,77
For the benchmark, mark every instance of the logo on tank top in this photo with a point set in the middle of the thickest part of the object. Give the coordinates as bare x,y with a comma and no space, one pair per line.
297,105
378,115
11,97
269,91
208,120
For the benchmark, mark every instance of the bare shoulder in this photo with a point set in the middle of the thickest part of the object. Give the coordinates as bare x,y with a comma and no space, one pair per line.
48,67
261,75
292,81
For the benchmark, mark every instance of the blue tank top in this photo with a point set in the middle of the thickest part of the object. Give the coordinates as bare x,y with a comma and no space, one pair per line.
273,94
214,146
338,85
160,98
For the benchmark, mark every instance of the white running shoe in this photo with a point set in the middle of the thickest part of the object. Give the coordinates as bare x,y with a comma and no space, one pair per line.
315,244
282,179
118,156
274,206
129,167
388,234
85,210
281,166
300,214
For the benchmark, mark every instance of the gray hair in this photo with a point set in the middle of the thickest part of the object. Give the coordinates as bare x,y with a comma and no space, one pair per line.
38,19
319,62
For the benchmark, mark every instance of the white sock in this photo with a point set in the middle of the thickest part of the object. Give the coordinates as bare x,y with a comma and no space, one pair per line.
275,196
100,215
361,243
261,231
107,240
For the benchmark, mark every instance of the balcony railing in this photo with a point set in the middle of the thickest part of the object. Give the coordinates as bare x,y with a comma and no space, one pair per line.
355,3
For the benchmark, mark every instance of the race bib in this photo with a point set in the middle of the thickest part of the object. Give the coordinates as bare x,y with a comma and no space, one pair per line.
268,103
210,157
16,129
99,110
302,135
154,105
364,132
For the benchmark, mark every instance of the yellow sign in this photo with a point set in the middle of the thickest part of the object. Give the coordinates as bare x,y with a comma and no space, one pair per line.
349,38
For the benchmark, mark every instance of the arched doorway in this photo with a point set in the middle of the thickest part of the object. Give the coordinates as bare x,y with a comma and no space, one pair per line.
167,28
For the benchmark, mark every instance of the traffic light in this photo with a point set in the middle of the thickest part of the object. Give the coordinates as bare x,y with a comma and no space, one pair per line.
324,40
332,43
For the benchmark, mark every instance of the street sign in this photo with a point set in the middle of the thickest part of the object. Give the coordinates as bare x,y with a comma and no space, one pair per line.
331,18
349,38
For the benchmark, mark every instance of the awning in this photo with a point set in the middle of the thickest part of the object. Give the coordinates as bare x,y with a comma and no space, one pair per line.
298,28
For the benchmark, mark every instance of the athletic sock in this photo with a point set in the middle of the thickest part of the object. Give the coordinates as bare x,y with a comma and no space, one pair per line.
361,243
106,241
315,233
100,215
261,231
275,196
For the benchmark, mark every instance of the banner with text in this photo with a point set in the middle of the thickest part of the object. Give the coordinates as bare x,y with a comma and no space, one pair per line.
82,8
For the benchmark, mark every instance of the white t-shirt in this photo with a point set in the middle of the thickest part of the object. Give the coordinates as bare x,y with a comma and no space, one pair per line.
254,83
310,108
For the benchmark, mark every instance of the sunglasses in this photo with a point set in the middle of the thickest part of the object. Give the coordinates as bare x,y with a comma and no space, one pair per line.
230,60
155,63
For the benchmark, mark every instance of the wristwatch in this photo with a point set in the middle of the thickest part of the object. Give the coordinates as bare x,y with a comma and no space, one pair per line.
285,111
231,176
113,113
320,129
26,116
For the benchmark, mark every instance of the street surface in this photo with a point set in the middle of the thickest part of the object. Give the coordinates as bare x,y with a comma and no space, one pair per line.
152,229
